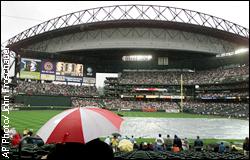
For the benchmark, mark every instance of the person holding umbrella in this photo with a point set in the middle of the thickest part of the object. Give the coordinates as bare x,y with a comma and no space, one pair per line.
72,129
114,143
125,145
80,125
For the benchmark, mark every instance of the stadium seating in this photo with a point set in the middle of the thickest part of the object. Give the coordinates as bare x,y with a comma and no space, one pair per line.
239,110
138,154
199,77
29,152
37,88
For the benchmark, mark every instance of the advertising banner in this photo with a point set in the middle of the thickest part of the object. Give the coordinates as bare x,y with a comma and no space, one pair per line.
152,96
69,79
30,68
90,71
151,89
89,80
165,97
48,70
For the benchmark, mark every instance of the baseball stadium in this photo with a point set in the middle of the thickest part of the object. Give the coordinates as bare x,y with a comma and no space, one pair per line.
179,87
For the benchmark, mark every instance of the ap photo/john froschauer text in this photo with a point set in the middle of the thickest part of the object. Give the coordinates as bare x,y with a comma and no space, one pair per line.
5,104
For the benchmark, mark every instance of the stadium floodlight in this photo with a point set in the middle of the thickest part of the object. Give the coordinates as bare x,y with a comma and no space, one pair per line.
242,50
238,51
197,86
137,58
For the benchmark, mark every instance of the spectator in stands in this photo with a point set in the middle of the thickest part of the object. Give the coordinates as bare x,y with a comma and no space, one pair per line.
185,144
125,145
177,142
222,148
132,139
136,146
30,132
234,149
246,146
16,139
119,137
25,132
198,144
107,140
144,146
175,148
114,143
150,146
168,143
97,149
67,151
12,132
159,143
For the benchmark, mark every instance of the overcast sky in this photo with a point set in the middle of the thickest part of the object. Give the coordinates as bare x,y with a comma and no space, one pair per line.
17,16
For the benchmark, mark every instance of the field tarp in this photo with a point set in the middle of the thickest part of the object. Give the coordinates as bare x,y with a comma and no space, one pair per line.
218,128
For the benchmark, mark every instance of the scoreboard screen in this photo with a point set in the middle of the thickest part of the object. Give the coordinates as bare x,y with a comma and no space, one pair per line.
69,69
70,72
30,68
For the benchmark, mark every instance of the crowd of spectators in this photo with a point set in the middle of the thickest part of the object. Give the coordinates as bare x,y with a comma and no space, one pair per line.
223,94
37,88
116,146
129,104
175,144
15,137
140,154
224,86
239,110
199,77
84,102
124,104
219,94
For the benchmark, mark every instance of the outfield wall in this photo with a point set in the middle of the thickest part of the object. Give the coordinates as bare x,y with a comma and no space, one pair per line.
43,100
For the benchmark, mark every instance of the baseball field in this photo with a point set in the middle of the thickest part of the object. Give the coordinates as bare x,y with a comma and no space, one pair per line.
34,119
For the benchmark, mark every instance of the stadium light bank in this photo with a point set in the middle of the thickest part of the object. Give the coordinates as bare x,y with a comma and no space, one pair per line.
5,110
238,51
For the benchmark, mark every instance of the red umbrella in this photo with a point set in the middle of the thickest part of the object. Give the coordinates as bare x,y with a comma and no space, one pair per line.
80,125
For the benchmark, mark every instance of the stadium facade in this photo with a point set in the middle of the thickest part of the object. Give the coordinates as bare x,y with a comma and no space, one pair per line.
102,36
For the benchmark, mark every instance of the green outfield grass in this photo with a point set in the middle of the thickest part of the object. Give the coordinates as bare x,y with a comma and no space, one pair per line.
30,119
35,119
